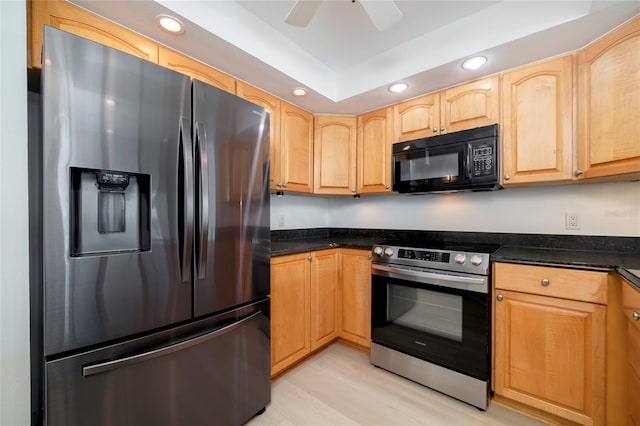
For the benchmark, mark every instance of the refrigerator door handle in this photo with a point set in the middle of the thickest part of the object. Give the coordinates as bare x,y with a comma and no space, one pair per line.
147,356
185,210
202,167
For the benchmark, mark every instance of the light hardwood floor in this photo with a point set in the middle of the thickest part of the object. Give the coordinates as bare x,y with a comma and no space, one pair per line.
339,386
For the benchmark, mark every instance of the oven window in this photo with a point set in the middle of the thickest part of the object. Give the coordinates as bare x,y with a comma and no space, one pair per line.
425,310
440,166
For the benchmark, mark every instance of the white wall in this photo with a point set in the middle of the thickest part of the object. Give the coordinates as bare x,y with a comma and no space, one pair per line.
611,209
299,212
14,266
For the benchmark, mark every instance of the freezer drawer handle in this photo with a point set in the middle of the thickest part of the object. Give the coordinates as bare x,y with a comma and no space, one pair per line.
134,359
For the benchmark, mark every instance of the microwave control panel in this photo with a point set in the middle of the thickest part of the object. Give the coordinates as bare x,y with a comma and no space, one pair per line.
483,159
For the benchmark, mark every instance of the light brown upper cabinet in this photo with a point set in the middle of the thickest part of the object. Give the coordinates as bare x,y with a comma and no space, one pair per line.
374,151
195,69
70,18
609,103
272,104
334,154
416,118
470,105
296,150
537,122
462,107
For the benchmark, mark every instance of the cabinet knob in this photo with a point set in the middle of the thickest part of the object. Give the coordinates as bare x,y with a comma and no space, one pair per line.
545,282
635,315
500,298
353,190
442,129
578,172
284,185
387,187
507,177
370,256
435,129
279,184
309,258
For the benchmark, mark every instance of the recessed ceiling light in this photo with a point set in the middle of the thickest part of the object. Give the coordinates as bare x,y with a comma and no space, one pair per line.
299,91
398,87
169,23
474,63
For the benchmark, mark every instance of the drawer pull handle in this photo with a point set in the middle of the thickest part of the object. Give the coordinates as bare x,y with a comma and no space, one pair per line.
500,297
635,315
545,282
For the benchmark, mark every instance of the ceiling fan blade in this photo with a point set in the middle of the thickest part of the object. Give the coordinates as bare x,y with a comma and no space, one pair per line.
302,12
383,13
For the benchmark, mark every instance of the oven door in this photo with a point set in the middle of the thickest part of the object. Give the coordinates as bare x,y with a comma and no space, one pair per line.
442,318
430,169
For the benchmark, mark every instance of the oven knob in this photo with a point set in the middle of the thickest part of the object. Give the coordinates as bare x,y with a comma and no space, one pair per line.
378,251
460,258
388,251
475,260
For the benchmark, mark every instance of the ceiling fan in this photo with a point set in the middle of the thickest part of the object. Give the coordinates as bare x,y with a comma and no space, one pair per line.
383,13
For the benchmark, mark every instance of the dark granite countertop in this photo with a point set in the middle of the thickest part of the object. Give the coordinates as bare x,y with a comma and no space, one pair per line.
620,254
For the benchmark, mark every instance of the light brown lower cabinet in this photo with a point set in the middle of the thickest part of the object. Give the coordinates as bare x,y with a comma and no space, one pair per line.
631,308
354,322
550,351
316,297
303,305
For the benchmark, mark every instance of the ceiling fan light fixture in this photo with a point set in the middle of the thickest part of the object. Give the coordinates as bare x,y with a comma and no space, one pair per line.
299,91
398,87
170,24
474,62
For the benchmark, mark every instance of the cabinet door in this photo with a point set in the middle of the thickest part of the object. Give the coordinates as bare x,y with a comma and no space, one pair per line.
289,310
272,104
323,301
470,105
537,122
334,155
631,305
296,148
608,106
178,62
416,118
72,19
550,354
355,297
374,151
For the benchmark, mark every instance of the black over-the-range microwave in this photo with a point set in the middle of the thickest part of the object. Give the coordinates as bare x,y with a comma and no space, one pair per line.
458,161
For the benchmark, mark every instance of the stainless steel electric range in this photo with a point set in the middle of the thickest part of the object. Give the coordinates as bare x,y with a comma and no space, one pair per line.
431,316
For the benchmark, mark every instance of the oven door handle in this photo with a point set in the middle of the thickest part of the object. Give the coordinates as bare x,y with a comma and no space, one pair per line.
456,281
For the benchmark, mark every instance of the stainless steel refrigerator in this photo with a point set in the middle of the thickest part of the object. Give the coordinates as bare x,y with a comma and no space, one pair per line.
155,244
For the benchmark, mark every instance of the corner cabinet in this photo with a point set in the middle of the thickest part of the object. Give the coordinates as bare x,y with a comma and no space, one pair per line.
304,310
295,165
537,123
354,324
334,154
550,340
272,104
462,107
374,145
609,106
631,308
70,18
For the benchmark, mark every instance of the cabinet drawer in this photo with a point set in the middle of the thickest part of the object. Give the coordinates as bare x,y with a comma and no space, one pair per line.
586,286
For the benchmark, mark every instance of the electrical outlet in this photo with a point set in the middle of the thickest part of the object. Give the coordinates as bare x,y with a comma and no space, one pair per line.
572,220
281,220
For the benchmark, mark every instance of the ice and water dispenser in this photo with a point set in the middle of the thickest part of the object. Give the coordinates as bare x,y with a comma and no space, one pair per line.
109,212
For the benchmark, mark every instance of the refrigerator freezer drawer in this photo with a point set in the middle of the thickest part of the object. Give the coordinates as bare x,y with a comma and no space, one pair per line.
218,376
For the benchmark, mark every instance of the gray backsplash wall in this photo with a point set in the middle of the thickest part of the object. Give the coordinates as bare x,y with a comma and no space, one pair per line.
604,209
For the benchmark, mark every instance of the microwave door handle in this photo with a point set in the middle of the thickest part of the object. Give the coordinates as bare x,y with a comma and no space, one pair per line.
469,164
